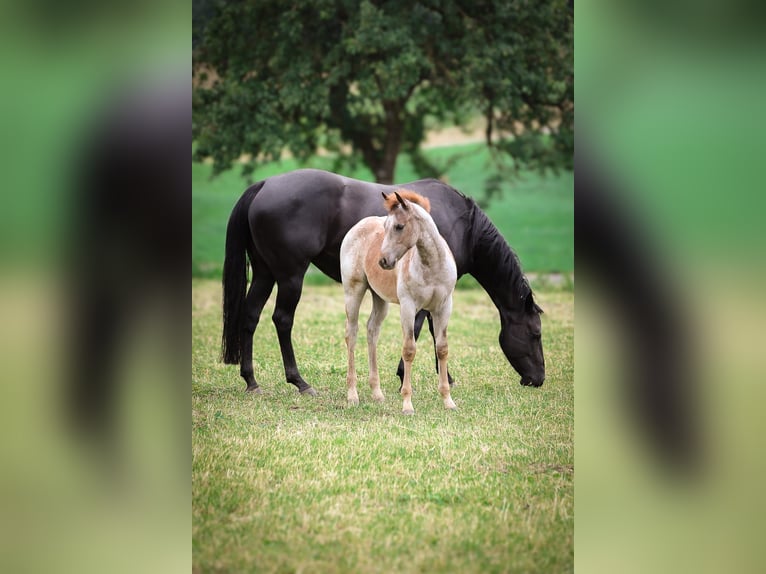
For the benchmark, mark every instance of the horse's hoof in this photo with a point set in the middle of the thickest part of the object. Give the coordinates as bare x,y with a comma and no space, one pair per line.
408,411
379,399
255,390
309,391
353,402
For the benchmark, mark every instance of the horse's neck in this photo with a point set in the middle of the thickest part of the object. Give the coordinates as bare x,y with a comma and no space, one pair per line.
496,267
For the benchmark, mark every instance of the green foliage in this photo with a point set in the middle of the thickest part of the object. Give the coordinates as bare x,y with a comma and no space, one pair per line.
363,79
285,483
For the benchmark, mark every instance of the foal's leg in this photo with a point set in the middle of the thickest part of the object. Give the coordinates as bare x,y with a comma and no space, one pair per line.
353,297
379,311
407,314
421,316
441,318
288,295
260,289
436,352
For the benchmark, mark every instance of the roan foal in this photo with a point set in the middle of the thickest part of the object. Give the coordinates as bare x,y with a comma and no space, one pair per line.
400,258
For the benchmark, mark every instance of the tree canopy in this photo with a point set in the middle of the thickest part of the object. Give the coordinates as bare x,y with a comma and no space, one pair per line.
363,78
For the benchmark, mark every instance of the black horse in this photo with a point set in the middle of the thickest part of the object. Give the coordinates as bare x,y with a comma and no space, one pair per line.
288,221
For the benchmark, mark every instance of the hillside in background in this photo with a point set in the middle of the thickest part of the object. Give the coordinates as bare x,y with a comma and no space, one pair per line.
535,213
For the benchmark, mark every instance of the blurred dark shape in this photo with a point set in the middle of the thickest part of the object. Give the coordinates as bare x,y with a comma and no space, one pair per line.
129,248
614,254
699,24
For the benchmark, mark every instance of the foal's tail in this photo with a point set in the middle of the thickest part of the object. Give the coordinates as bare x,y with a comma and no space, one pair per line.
235,276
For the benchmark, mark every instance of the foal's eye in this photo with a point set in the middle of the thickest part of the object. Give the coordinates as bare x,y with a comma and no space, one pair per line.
399,226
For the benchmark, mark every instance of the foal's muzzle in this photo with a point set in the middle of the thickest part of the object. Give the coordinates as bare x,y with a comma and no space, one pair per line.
385,264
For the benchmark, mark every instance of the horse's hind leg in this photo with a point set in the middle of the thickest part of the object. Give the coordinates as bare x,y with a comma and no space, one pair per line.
379,311
260,289
288,295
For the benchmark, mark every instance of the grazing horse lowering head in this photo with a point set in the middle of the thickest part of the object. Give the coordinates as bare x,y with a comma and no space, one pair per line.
400,233
521,341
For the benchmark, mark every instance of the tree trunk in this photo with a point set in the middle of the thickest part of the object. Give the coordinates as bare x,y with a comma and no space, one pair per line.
392,143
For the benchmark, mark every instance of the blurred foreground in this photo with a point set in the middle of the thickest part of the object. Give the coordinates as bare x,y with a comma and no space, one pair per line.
669,107
94,118
670,251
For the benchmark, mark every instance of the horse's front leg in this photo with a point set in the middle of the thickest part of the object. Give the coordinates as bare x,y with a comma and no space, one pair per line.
441,319
407,313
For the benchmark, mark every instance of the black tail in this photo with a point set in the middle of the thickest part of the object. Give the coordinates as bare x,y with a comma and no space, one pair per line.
235,276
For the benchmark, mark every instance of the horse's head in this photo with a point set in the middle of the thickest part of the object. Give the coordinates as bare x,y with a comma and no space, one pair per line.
401,226
520,339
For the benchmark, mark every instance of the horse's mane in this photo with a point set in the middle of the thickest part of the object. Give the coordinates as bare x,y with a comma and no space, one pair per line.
391,201
495,259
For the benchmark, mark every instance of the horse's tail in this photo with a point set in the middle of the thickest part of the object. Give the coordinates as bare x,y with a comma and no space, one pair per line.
235,276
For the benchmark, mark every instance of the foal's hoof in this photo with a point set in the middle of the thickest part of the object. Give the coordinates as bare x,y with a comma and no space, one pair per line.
309,391
255,390
408,411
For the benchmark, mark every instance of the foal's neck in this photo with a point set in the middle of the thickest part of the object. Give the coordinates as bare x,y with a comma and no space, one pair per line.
431,248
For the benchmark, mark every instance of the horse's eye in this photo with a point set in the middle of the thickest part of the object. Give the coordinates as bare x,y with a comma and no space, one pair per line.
399,226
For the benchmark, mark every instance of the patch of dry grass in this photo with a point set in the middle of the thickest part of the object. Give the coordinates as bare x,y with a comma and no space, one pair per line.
283,482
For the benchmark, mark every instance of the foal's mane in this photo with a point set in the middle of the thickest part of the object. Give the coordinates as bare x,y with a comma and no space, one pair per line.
392,203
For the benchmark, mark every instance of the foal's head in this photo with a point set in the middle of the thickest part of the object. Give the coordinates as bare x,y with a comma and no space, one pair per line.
402,226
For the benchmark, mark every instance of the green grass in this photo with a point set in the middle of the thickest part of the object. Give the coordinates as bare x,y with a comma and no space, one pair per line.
285,483
535,214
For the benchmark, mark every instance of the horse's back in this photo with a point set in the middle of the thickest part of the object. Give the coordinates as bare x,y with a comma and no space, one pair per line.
293,218
288,196
302,216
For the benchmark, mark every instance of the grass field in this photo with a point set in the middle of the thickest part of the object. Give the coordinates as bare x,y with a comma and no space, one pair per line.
535,214
286,483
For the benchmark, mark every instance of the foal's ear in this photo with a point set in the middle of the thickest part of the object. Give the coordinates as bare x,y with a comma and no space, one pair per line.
383,193
401,201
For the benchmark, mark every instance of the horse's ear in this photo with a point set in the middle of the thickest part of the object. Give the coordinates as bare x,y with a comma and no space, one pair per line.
401,201
531,306
383,193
